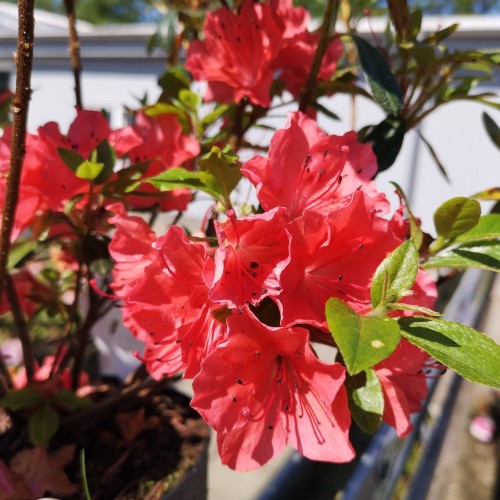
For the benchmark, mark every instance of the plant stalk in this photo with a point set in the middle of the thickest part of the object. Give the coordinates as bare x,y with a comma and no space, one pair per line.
74,50
20,104
21,327
324,39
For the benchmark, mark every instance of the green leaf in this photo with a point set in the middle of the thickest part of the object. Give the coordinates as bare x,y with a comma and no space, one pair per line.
492,128
19,250
386,139
383,85
209,119
469,352
127,178
189,99
454,217
70,158
366,400
43,425
225,168
172,82
491,194
319,107
441,35
434,155
415,231
89,170
176,178
400,306
21,398
395,275
480,254
70,400
106,155
487,228
363,341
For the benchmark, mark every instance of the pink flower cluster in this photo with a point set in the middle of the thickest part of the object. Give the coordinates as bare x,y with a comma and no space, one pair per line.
238,316
243,54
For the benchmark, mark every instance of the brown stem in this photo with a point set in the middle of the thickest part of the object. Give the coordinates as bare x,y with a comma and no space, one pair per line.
74,50
83,335
5,379
236,135
324,38
20,104
224,4
21,327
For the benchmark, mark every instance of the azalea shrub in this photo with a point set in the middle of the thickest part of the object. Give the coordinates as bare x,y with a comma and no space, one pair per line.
319,257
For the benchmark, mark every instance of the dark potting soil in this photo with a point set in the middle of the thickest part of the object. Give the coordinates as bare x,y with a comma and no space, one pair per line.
133,450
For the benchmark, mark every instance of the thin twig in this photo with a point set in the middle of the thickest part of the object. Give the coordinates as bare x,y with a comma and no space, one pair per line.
5,379
74,50
324,39
20,104
21,327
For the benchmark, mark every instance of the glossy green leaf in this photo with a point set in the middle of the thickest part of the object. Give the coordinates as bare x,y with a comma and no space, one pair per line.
395,275
454,217
468,352
21,398
225,169
89,170
70,158
401,306
363,341
366,400
386,139
492,128
487,228
43,425
383,85
105,154
176,178
480,254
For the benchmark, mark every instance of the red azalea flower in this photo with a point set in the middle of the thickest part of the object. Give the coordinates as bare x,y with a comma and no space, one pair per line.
308,170
236,55
44,169
252,251
131,248
264,389
294,61
404,385
334,256
290,20
161,141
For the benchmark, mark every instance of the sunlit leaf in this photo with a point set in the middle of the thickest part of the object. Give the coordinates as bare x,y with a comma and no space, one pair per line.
468,352
363,341
395,274
480,254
